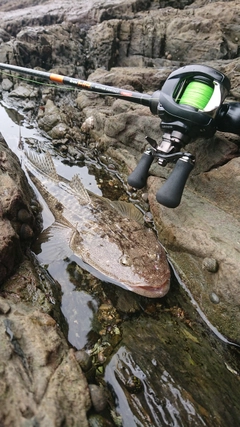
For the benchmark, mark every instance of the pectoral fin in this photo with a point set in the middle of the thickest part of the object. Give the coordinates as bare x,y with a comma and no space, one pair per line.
53,243
128,210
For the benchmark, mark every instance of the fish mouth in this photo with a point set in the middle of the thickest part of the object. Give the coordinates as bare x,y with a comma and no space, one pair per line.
154,291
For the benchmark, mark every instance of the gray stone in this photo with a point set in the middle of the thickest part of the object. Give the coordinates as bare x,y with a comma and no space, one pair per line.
7,84
4,306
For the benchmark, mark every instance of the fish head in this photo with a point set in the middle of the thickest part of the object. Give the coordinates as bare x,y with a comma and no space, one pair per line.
150,271
133,259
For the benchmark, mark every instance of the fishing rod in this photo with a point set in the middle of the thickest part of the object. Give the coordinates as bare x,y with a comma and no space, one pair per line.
189,104
137,97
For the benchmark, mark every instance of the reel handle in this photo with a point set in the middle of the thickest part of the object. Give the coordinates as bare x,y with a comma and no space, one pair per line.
170,193
138,177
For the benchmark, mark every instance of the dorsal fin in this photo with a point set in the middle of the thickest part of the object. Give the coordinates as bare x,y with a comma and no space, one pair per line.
77,186
44,163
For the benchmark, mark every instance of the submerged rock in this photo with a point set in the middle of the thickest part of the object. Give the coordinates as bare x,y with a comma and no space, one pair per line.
98,397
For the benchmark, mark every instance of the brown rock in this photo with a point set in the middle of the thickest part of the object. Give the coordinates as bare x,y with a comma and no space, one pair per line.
15,200
41,381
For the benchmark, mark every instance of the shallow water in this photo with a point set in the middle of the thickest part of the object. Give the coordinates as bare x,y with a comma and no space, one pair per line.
189,373
72,302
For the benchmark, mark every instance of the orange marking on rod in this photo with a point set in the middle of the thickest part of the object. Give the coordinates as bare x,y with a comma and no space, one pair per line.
56,78
83,84
123,93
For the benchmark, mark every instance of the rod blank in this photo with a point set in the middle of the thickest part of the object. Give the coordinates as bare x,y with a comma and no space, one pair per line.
136,97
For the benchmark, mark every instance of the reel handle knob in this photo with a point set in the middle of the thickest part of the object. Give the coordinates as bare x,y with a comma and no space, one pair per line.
138,177
170,193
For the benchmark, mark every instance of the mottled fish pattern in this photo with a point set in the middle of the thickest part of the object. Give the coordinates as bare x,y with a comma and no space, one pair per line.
106,235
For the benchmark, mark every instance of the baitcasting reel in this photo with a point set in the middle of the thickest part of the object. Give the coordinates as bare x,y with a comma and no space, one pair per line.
189,105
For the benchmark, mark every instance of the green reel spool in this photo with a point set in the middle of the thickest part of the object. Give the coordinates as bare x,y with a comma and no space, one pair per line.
197,94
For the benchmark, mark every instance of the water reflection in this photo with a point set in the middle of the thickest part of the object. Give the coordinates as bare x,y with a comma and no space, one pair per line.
168,405
52,248
13,127
78,307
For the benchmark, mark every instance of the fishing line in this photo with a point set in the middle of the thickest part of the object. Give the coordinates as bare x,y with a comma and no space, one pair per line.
38,82
59,86
197,94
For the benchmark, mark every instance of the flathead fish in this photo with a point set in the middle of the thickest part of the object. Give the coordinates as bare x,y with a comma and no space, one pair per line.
108,236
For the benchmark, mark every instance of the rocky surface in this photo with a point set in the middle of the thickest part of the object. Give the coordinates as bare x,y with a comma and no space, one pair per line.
19,212
132,44
151,40
41,380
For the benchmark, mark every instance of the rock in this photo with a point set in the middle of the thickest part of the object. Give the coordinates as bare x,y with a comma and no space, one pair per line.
18,221
7,84
141,53
84,360
98,421
220,186
98,397
136,44
210,264
38,371
4,306
4,36
23,91
10,250
50,118
59,131
192,232
171,358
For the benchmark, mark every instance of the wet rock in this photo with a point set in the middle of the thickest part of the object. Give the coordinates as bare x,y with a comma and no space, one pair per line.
15,201
206,231
87,125
98,397
23,215
38,371
4,36
134,384
59,131
84,359
127,303
10,250
166,364
98,421
26,232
